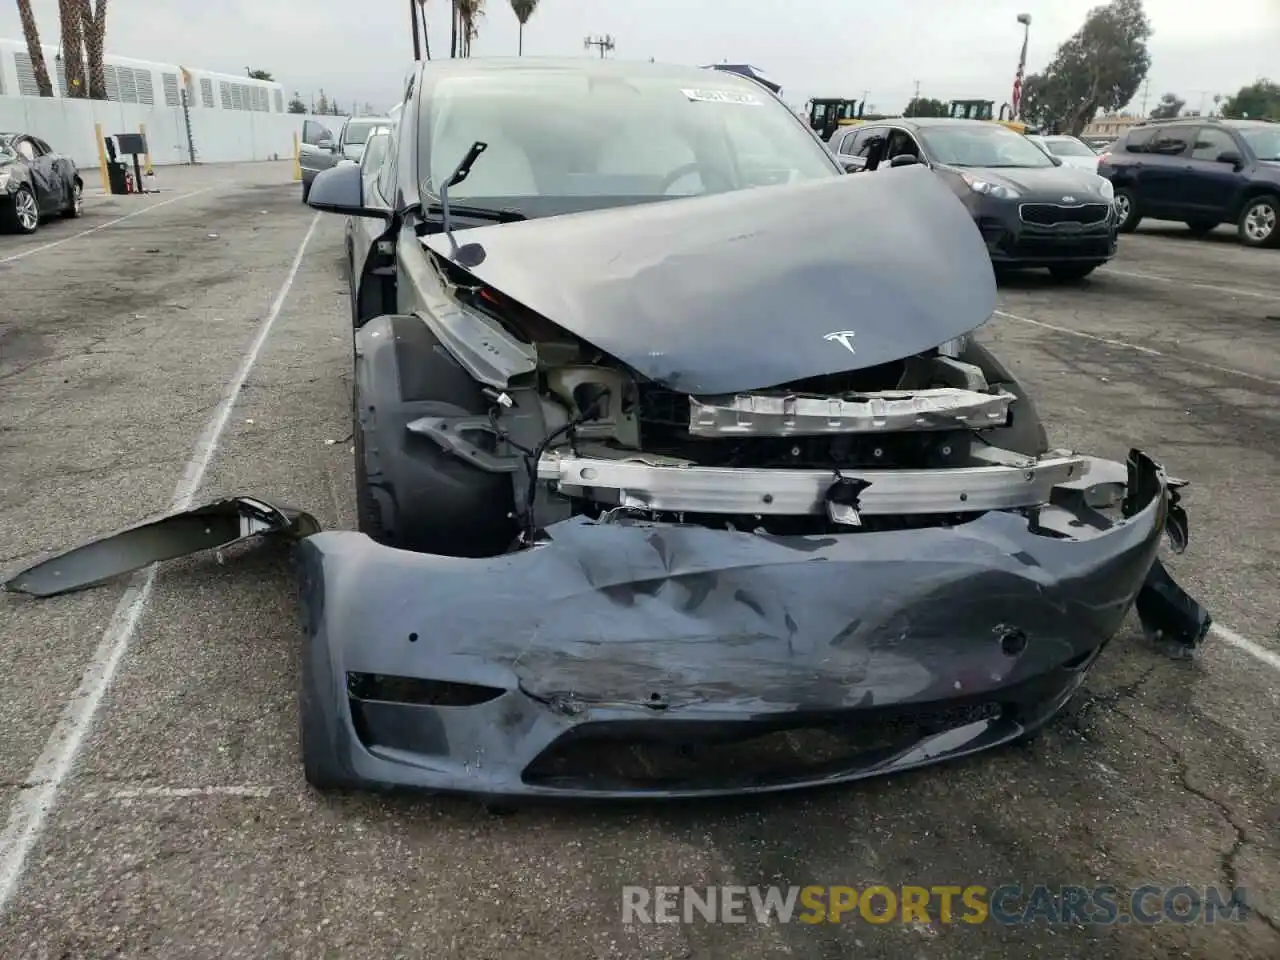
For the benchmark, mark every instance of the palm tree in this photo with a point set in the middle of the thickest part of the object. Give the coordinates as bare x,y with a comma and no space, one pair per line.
469,14
72,49
453,28
523,10
94,26
32,34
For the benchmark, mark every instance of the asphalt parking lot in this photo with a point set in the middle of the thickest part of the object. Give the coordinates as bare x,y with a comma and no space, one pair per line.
184,827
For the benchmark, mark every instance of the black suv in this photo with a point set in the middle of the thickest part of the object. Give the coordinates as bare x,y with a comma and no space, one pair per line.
1202,171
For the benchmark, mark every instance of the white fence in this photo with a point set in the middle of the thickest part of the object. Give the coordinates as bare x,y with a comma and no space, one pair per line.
219,136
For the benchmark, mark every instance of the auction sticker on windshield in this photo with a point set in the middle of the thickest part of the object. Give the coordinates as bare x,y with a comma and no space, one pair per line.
723,96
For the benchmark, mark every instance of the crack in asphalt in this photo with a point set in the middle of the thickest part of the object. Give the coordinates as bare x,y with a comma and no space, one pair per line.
1227,862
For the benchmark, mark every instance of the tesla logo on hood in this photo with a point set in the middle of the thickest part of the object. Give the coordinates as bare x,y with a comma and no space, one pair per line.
1068,199
842,337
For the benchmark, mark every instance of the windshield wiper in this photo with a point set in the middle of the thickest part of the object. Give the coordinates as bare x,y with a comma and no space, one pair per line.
460,173
494,214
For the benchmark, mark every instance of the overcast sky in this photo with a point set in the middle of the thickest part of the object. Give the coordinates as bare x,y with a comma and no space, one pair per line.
357,51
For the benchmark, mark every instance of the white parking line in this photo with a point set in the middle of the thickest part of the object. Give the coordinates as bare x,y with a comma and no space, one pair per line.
1190,361
1233,291
35,799
102,226
173,793
1245,645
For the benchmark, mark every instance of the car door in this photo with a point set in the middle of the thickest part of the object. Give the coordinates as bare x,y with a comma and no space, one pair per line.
318,148
900,142
44,180
367,232
1211,185
853,145
1164,176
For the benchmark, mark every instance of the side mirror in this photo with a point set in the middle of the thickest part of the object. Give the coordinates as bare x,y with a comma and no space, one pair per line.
340,189
904,160
324,143
1231,157
850,166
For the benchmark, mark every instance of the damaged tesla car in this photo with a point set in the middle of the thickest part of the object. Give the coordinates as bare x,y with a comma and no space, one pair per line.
679,469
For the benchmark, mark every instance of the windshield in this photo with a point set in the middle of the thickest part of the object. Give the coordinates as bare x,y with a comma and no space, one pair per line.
1067,147
1263,141
573,138
358,131
981,145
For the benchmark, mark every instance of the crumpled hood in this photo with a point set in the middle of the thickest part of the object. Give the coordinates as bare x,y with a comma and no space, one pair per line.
753,288
1050,183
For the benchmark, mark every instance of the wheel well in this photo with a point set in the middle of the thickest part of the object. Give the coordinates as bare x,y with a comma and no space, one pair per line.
1253,192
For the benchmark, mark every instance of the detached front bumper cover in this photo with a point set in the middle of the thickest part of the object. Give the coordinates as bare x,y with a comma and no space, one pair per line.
640,659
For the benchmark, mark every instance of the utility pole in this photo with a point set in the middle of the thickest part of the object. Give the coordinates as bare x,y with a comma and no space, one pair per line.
1146,89
917,96
604,44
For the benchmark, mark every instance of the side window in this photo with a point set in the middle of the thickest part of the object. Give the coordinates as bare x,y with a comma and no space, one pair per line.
26,149
1210,142
849,143
901,142
42,147
386,185
872,139
1139,140
1170,141
313,131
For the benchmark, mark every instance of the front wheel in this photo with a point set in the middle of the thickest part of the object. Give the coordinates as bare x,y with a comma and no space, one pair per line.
1127,214
306,190
1258,221
1072,271
23,215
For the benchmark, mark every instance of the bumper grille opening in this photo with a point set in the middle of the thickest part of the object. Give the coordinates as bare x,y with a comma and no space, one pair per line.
703,755
1047,214
417,692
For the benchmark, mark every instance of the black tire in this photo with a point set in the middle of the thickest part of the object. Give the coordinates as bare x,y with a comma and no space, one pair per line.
75,200
306,190
1199,228
410,493
1072,271
1127,211
1259,223
22,213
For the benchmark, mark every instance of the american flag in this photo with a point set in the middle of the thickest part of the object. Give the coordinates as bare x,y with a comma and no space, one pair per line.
1016,102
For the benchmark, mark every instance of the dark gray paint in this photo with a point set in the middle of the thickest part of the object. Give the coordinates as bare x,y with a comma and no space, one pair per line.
893,258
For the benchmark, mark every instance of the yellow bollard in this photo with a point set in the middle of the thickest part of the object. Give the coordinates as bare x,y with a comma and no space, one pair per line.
146,157
102,157
297,158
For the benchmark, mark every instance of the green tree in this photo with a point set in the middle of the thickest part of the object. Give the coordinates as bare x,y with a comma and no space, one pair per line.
523,9
322,105
1257,100
1100,67
1170,106
925,107
296,105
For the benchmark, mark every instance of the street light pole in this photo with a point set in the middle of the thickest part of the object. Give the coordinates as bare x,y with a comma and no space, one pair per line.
605,43
1025,20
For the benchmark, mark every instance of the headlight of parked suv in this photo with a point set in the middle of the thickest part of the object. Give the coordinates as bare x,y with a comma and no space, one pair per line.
988,188
1106,189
